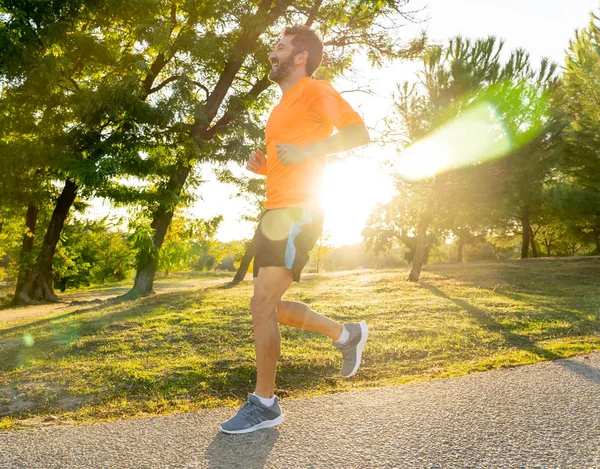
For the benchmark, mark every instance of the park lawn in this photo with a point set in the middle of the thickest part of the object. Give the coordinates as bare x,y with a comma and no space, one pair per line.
190,350
7,289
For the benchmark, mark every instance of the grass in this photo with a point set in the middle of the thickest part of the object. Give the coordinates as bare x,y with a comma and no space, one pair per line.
190,350
7,288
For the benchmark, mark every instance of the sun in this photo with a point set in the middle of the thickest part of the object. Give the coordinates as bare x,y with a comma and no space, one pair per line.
352,188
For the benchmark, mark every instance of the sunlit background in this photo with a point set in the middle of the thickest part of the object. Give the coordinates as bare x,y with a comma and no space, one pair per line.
353,187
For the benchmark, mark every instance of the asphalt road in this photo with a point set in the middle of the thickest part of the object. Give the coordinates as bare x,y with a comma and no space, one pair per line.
545,415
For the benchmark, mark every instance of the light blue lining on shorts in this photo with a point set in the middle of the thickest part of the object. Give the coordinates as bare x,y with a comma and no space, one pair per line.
295,228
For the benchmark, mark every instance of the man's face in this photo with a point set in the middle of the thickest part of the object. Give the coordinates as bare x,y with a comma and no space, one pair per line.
282,59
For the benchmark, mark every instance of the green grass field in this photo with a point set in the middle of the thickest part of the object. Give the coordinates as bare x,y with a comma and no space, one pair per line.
7,288
190,350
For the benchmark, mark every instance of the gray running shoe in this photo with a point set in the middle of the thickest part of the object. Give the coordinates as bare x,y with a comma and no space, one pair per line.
353,348
253,416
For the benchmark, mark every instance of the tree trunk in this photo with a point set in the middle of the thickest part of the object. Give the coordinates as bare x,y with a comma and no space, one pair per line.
417,264
148,261
459,252
534,247
26,248
245,262
526,234
38,286
318,257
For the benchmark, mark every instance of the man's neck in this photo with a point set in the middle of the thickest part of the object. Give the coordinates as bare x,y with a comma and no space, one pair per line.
290,83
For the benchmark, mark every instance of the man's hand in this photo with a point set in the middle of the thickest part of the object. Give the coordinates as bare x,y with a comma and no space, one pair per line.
291,154
257,163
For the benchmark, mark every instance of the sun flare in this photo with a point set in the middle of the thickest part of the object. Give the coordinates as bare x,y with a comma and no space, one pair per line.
352,188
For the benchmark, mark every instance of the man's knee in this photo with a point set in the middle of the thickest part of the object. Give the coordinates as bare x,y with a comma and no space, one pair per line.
263,306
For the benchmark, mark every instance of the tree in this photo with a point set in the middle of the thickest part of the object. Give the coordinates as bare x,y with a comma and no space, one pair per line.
582,104
61,105
322,248
253,190
188,244
91,252
392,224
462,113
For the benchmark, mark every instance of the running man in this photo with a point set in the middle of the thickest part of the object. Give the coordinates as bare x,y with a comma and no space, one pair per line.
298,137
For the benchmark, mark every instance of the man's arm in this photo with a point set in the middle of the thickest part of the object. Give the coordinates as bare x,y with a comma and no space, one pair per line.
346,139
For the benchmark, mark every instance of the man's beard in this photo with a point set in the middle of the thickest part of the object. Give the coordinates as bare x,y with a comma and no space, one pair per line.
282,71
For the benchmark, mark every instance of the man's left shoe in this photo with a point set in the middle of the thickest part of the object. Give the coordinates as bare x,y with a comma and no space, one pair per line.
353,348
253,416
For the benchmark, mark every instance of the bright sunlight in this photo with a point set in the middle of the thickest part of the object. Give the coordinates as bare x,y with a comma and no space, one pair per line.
353,186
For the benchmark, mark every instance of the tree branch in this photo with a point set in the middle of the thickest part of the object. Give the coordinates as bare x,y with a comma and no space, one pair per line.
254,27
161,59
260,86
174,78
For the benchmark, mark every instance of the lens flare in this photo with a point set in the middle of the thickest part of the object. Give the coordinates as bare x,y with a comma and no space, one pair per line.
476,136
28,340
275,226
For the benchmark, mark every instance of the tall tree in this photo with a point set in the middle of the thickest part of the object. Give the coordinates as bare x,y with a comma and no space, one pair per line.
461,86
582,103
184,82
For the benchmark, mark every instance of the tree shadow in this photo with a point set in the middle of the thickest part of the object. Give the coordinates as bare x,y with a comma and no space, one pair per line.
67,327
487,321
247,451
581,369
518,340
137,309
579,320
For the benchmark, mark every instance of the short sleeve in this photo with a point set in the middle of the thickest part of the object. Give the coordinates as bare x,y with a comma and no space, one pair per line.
326,103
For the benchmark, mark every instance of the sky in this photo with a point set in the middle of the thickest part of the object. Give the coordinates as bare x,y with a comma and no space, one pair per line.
354,185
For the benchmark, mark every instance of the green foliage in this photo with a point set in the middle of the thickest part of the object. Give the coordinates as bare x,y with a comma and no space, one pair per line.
189,244
140,240
476,191
91,252
11,235
227,255
106,93
582,103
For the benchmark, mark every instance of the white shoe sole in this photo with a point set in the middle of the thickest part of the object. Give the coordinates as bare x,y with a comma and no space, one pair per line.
260,426
359,348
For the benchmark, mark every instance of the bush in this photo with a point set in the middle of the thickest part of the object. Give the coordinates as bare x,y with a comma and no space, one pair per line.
479,251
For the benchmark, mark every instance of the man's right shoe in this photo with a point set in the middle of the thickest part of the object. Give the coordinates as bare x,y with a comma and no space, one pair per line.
353,348
253,416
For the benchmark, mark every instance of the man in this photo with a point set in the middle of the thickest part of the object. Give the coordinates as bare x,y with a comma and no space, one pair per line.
298,138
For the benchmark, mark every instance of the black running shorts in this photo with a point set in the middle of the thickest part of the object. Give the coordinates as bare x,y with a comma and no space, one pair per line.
285,236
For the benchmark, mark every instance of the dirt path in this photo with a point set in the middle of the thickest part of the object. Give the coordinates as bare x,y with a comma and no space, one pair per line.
91,298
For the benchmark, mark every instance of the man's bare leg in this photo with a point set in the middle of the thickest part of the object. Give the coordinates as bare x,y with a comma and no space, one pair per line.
349,338
300,316
269,286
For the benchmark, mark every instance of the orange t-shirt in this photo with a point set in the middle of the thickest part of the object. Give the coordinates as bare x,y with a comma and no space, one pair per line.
306,114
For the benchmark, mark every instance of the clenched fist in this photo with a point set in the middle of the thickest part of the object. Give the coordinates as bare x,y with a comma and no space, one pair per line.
257,163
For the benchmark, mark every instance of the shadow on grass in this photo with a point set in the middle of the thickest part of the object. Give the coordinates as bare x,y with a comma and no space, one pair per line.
579,322
518,340
66,328
487,321
154,300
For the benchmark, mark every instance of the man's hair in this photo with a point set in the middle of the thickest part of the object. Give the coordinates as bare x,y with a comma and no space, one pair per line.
306,39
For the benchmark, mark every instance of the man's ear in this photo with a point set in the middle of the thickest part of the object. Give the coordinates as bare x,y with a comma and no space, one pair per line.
301,58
